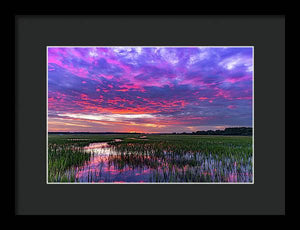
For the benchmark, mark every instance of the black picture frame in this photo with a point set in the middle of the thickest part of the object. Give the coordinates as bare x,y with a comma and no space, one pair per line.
32,32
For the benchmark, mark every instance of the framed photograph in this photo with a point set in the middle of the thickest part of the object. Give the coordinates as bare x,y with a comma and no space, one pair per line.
168,107
142,114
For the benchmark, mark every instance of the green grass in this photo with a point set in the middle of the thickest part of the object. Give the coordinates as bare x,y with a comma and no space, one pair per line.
174,158
189,158
65,153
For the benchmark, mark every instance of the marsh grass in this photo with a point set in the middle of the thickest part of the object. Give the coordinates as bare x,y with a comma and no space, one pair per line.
171,158
189,159
66,154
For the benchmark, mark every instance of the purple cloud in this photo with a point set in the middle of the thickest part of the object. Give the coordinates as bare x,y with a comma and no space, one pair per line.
149,89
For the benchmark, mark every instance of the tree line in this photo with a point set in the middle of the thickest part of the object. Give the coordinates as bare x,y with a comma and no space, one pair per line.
239,131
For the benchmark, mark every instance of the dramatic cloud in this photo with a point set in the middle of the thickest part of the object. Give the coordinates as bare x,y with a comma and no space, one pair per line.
149,89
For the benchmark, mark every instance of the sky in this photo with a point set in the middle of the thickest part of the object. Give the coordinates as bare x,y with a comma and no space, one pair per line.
149,89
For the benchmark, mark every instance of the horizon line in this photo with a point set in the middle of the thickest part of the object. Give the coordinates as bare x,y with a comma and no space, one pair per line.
148,132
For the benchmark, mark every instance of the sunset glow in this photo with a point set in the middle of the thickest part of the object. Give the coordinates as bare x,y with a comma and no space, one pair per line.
149,89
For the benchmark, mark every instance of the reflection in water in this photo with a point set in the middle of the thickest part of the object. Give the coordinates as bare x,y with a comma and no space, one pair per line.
106,164
100,167
100,148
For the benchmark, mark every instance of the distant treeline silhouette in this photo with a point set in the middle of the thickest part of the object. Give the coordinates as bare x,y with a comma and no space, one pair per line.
239,131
